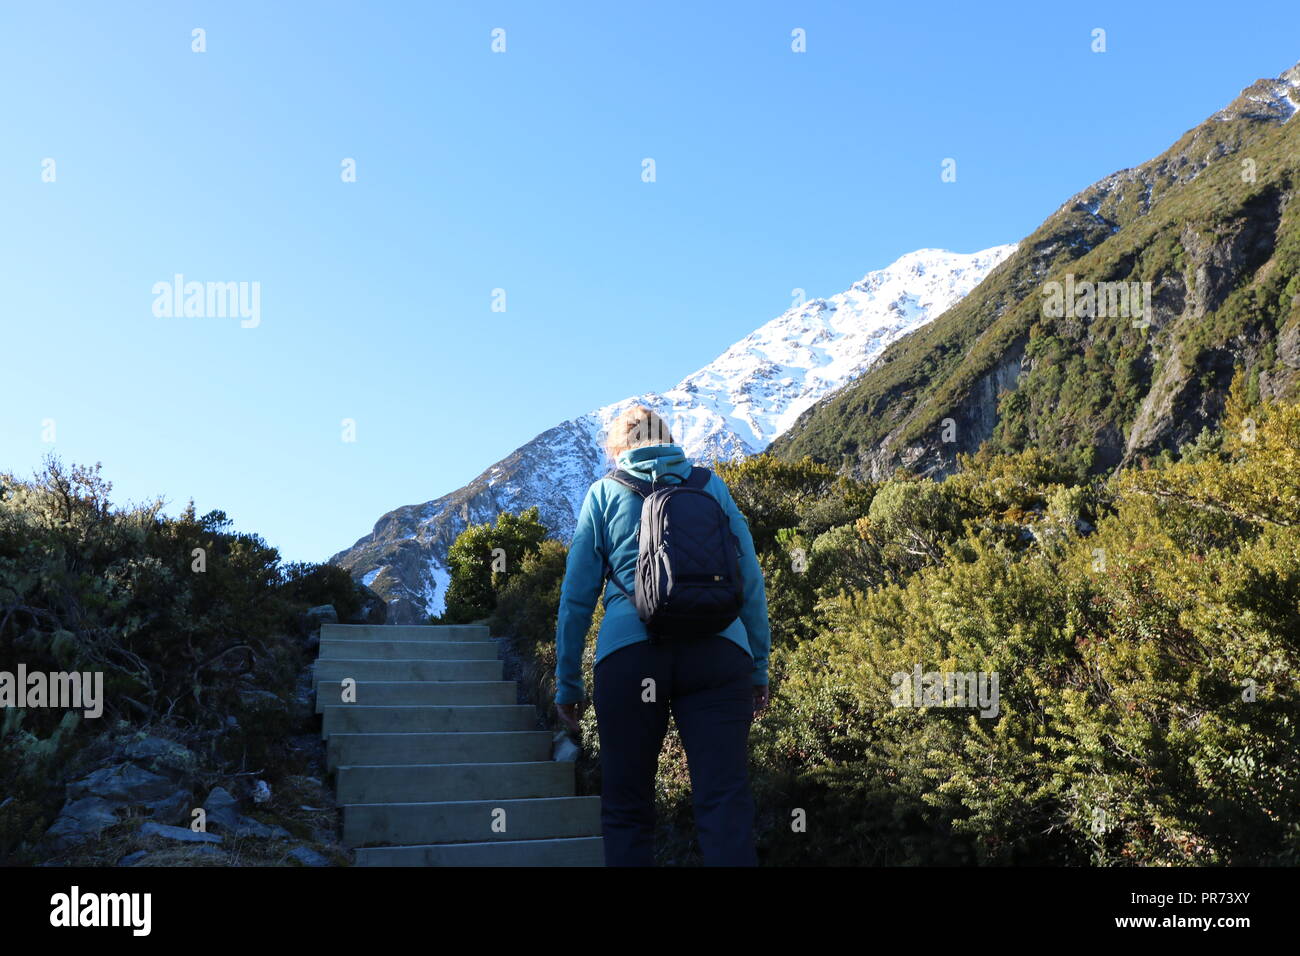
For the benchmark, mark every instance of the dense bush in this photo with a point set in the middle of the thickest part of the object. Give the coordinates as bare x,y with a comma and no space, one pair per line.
481,559
310,584
528,602
1148,701
191,623
1145,630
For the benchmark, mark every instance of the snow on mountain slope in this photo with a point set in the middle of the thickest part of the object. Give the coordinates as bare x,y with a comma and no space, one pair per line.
731,408
1267,99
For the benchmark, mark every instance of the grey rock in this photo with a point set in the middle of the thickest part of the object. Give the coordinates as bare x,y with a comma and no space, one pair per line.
179,834
1288,344
222,811
78,821
131,859
374,610
261,792
308,857
322,614
255,699
248,827
159,754
124,783
173,809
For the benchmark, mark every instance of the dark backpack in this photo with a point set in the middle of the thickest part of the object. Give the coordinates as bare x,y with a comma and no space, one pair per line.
688,580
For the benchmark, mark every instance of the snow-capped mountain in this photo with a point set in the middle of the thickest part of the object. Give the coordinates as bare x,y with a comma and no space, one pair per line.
731,408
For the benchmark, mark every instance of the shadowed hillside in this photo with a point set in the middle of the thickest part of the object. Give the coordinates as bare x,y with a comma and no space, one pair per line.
1207,228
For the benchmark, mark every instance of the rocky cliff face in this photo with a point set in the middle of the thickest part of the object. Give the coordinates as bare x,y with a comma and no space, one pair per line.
731,408
1206,237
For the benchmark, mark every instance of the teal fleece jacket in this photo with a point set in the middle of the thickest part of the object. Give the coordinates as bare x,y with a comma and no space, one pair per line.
607,525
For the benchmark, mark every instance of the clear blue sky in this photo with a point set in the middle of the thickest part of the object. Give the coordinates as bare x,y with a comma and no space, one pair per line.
520,171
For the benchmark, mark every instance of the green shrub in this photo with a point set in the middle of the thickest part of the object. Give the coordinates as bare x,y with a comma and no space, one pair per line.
481,559
190,622
529,601
1143,630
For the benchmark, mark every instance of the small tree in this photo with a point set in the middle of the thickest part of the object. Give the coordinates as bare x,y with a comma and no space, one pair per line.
481,558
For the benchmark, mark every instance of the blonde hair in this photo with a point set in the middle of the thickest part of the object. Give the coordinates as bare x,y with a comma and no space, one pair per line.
635,427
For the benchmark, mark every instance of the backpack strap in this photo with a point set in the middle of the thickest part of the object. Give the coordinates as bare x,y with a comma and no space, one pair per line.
607,574
698,478
640,485
627,480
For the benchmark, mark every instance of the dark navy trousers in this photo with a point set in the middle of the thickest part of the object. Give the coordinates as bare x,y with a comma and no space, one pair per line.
705,682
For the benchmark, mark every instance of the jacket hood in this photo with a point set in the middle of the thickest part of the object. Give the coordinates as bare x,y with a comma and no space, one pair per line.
653,462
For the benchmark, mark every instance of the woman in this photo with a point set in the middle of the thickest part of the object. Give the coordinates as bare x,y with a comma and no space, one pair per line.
714,686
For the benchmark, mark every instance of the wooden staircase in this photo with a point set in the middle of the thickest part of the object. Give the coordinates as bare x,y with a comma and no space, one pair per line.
434,762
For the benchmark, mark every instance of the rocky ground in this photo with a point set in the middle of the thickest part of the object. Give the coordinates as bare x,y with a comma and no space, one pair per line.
145,796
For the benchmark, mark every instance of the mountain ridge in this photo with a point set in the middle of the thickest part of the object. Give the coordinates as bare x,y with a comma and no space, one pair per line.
730,408
1206,223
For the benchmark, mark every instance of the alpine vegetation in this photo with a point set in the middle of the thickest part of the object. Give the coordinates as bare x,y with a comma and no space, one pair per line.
186,639
985,669
1203,242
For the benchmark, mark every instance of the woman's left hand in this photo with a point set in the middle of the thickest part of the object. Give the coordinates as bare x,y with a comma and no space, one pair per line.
568,714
